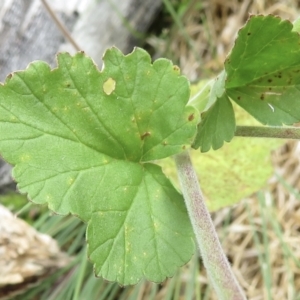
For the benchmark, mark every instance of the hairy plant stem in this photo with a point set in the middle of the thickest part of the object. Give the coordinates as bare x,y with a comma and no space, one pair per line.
214,259
268,132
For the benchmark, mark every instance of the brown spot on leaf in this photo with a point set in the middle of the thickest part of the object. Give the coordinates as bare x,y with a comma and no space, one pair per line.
176,68
270,80
262,97
145,134
191,117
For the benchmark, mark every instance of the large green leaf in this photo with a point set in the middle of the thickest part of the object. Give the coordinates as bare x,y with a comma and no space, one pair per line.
79,138
263,70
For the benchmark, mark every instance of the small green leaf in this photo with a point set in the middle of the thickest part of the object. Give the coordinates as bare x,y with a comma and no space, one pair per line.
217,116
263,70
79,138
217,125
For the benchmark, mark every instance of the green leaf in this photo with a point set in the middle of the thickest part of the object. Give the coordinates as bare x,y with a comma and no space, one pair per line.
217,125
263,70
229,174
79,138
217,121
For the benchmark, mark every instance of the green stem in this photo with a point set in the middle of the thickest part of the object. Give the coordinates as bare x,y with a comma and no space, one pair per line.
268,132
214,259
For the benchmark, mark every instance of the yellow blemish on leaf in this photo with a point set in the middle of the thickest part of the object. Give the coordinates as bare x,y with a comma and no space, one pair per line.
128,247
25,157
109,86
70,181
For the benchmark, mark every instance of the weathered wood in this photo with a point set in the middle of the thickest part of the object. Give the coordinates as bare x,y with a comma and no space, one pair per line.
27,33
107,23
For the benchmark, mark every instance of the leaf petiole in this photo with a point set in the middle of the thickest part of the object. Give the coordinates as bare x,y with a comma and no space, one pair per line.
214,259
268,132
